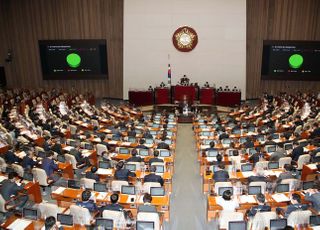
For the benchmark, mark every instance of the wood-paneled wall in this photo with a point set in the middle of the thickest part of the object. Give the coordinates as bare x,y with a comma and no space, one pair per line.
278,20
23,23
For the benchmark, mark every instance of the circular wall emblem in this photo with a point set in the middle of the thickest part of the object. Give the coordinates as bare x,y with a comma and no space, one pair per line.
185,39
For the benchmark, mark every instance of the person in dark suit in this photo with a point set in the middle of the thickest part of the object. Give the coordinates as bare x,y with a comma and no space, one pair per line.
261,207
316,131
28,162
152,177
86,202
141,144
297,151
49,166
294,206
313,195
249,143
147,206
92,174
121,173
11,158
221,174
47,144
162,144
155,157
270,141
287,174
114,206
147,134
79,158
211,148
10,188
56,147
134,157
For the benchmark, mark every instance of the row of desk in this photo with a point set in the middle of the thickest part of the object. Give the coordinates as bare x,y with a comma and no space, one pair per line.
179,93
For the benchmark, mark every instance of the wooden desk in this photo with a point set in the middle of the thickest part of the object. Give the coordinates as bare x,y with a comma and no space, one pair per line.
67,170
34,192
308,170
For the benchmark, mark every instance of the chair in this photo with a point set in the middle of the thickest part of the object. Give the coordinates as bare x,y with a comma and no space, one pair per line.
81,215
71,159
119,221
218,185
262,220
150,216
293,183
299,217
117,184
226,217
88,183
38,149
284,160
147,185
4,205
40,176
3,165
262,184
49,209
303,159
18,169
101,148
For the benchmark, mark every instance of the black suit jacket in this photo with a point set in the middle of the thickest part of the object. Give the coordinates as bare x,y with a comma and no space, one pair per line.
163,145
28,163
10,157
260,208
297,152
153,178
221,175
294,207
93,176
123,174
134,159
155,159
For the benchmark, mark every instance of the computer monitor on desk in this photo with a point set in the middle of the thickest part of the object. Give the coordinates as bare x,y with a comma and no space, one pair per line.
246,167
104,164
254,190
282,188
100,187
237,225
143,152
129,190
124,151
273,165
271,148
157,191
314,220
130,167
65,219
30,213
307,185
165,153
159,168
102,223
75,184
276,224
212,153
145,225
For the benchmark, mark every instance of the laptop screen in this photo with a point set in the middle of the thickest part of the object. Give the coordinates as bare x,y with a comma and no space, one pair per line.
283,188
222,189
74,184
145,225
271,149
246,167
168,141
307,185
30,213
205,133
276,224
226,141
124,151
73,143
104,165
275,136
129,190
254,190
104,223
237,225
153,132
65,219
149,141
260,138
252,151
88,146
143,152
132,139
99,187
212,153
164,153
130,167
314,220
28,176
159,168
273,165
157,191
288,146
242,140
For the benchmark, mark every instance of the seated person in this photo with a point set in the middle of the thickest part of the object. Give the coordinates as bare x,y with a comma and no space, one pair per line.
258,177
297,151
86,202
114,206
287,174
28,162
261,207
147,206
313,195
226,201
56,147
141,144
294,206
211,144
106,157
134,157
92,174
51,224
279,153
10,157
122,173
162,144
155,158
221,174
10,189
152,177
79,158
49,166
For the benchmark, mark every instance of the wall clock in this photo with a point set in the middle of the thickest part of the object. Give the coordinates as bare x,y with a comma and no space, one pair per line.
185,39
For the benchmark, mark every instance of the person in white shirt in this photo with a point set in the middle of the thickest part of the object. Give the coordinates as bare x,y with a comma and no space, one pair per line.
227,202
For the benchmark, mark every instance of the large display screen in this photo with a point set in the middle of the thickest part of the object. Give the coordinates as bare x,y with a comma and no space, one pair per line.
73,59
291,60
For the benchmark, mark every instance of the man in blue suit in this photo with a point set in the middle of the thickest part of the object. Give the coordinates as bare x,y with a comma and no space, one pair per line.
122,173
261,207
134,157
294,206
221,174
86,202
50,166
28,162
152,177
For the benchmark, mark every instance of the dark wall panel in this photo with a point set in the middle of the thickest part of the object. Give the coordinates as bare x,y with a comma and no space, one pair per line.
23,23
278,20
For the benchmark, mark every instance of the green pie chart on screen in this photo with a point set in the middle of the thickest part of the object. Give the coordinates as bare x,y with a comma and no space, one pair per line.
295,61
73,60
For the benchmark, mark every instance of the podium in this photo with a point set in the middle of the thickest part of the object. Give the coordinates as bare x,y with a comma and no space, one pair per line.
180,92
228,98
207,96
162,95
141,98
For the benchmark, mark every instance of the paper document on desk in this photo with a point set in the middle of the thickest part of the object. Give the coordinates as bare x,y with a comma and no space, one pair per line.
85,153
101,195
202,147
113,142
102,171
21,154
312,166
68,148
59,190
19,224
211,159
126,143
2,178
247,199
97,139
149,145
248,174
280,197
316,227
